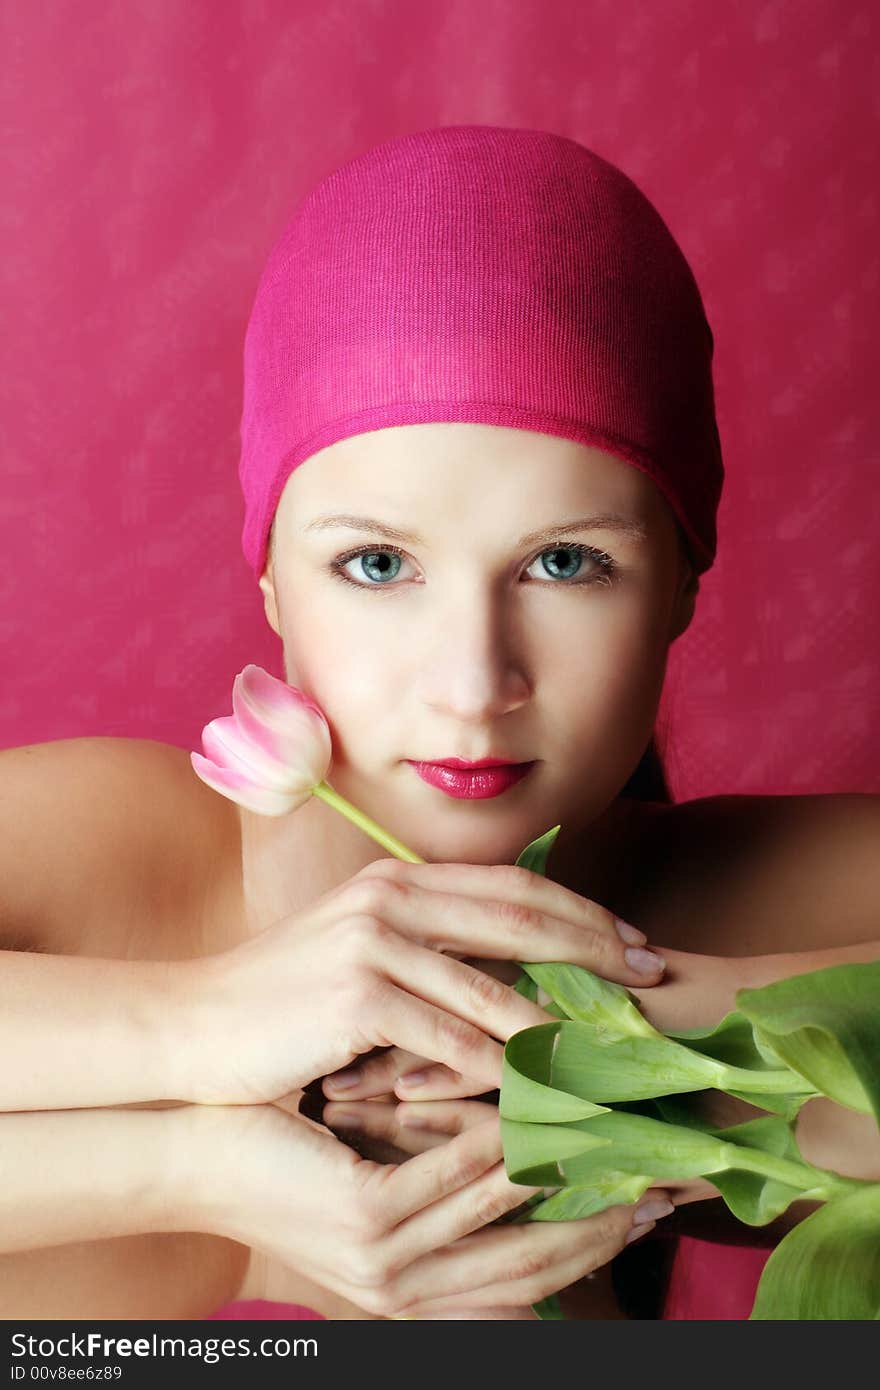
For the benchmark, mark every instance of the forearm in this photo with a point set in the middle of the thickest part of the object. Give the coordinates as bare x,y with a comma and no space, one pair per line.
84,1175
78,1032
699,990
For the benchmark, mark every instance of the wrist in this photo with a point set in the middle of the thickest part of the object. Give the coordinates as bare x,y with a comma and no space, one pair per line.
193,1040
695,992
198,1180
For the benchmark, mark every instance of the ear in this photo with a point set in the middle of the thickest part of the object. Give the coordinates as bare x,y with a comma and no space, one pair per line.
267,585
685,602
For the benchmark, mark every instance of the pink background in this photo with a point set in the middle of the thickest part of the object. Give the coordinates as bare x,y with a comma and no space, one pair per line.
150,154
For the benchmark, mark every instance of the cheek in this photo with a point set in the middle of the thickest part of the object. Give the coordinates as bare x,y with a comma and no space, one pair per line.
336,660
620,662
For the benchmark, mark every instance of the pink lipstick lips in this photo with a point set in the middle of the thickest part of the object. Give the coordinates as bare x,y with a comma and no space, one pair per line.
472,781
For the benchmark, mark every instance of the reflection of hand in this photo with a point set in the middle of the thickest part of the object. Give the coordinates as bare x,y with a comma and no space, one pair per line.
405,1129
504,1269
283,1184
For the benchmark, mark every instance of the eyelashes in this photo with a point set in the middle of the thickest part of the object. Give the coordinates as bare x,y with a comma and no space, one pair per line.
605,574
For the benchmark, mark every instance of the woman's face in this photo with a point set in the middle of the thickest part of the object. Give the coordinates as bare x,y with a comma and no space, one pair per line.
474,641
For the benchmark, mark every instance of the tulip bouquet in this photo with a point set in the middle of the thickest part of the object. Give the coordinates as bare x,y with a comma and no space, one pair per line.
595,1104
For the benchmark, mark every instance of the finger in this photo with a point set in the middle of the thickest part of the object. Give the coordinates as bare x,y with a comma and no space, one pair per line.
503,1254
403,1190
482,1268
373,1077
445,1117
467,1209
375,1121
416,1076
539,1269
452,1015
512,1293
542,1281
507,912
436,1083
444,1033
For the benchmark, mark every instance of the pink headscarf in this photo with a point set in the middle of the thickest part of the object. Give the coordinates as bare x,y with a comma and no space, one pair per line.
480,273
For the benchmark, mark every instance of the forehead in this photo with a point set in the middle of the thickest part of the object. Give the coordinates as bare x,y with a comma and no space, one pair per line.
418,467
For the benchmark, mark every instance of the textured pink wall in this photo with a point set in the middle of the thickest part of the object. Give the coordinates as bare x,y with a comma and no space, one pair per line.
150,153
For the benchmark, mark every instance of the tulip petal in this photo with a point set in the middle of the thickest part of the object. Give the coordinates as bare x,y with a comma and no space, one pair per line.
252,795
228,746
285,723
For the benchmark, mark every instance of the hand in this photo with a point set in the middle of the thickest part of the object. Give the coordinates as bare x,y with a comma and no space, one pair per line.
697,990
394,1239
268,1178
417,1127
367,966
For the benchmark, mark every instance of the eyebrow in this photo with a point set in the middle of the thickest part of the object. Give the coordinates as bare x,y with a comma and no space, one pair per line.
604,521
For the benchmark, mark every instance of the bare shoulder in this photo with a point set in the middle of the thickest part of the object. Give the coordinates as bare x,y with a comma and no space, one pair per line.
730,874
106,846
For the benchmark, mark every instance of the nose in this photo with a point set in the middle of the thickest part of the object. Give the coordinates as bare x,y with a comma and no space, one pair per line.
473,669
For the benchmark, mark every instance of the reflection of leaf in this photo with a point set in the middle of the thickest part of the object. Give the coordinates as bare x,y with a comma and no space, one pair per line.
752,1197
540,1155
607,1190
786,1106
534,857
826,1026
756,1166
828,1266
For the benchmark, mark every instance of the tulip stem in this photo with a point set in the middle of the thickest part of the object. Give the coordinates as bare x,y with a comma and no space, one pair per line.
365,823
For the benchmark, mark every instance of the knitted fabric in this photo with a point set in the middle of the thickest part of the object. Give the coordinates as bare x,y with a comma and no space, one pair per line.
487,274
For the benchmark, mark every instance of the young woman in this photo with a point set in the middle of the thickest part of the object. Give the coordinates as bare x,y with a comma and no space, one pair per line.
481,470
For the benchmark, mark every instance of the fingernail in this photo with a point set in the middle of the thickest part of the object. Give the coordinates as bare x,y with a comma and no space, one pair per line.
643,962
413,1079
345,1119
631,935
651,1210
415,1121
342,1080
639,1231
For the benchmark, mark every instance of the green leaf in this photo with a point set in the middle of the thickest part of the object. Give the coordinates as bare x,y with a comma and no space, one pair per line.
609,1189
732,1040
534,856
549,1307
527,988
526,1075
786,1106
584,1152
539,1155
609,1007
825,1025
632,1068
676,1110
755,1198
756,1167
828,1266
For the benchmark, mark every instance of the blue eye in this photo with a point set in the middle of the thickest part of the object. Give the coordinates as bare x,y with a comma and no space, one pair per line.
383,565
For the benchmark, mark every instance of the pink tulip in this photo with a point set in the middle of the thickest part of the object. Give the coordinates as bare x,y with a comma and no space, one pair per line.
272,751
